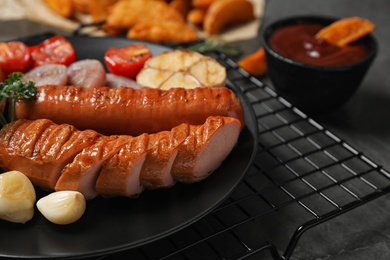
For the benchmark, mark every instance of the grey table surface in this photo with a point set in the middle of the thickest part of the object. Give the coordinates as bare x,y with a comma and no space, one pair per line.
363,233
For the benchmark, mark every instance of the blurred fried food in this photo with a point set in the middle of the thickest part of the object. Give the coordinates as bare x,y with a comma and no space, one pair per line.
127,13
81,6
182,6
167,32
224,13
99,9
255,63
196,16
345,31
61,7
68,8
202,4
152,20
145,19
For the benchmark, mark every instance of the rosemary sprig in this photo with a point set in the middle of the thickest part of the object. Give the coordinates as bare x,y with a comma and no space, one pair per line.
216,45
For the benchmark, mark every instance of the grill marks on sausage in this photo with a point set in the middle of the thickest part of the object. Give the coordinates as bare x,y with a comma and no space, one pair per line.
204,149
85,167
153,110
60,157
120,174
156,172
53,148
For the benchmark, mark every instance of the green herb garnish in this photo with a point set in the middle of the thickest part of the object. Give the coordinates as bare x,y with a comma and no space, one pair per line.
14,88
216,45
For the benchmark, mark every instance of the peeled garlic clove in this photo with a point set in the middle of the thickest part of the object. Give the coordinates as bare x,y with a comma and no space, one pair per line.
62,207
17,197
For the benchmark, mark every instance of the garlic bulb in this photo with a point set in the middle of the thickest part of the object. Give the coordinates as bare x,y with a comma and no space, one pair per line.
17,197
62,207
181,68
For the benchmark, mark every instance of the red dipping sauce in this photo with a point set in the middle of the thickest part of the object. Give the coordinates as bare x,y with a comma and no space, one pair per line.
298,42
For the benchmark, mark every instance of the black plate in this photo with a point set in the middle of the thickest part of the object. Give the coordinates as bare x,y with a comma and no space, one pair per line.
116,224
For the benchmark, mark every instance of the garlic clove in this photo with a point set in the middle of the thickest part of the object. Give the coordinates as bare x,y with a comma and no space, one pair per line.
17,197
62,207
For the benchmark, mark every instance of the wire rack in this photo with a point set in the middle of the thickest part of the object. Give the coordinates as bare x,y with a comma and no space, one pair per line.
300,167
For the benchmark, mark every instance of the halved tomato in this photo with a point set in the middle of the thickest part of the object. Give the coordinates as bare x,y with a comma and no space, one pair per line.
2,75
14,57
55,50
127,61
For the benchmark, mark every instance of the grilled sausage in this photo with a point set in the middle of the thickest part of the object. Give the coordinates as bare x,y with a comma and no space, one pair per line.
41,149
156,171
205,148
129,111
162,151
61,157
81,174
120,175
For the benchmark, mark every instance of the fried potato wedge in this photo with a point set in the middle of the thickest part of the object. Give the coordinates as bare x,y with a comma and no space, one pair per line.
196,16
81,6
62,7
99,9
345,31
203,4
223,13
127,13
167,32
182,6
255,63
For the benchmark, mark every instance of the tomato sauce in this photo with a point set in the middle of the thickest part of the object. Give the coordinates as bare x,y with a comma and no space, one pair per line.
298,42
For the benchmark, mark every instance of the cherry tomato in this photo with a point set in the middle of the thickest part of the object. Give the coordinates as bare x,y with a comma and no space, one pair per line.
127,61
14,57
2,75
55,50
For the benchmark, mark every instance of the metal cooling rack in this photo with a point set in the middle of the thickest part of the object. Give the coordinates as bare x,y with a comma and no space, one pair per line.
300,167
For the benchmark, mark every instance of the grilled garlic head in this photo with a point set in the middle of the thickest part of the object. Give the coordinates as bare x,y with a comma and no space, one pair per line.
181,69
17,197
62,207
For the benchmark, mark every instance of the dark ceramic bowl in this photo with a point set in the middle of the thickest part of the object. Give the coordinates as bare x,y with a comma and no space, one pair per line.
314,88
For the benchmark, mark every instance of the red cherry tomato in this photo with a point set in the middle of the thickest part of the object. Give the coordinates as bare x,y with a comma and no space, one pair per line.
14,57
55,50
2,75
127,61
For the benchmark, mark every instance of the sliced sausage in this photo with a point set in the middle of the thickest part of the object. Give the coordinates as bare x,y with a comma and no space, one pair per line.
162,151
46,150
81,174
120,175
62,158
156,171
205,148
